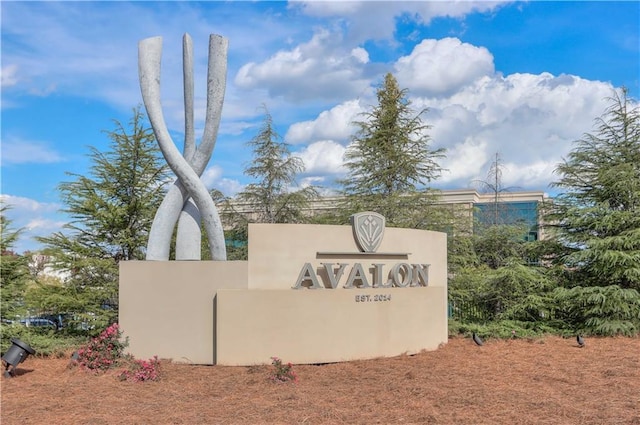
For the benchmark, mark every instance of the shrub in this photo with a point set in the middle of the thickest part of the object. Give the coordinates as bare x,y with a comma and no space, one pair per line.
104,351
282,372
45,342
502,329
607,310
142,370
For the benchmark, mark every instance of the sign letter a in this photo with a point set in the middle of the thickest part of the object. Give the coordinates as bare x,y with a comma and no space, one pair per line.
307,278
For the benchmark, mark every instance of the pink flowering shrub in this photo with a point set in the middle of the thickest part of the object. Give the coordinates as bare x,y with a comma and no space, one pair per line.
104,351
142,370
282,372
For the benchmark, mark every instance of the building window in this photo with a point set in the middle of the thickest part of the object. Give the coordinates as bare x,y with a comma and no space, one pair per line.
523,213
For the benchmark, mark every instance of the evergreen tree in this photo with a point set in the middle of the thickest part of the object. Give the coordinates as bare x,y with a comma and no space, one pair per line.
500,246
271,199
112,208
389,161
14,271
598,216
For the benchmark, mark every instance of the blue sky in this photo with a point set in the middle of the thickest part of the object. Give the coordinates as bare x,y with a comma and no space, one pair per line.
522,79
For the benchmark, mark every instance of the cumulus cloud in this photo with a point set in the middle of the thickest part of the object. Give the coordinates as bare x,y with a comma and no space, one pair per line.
212,179
334,124
438,67
210,176
230,187
319,69
19,151
534,175
463,159
323,157
360,54
474,112
531,120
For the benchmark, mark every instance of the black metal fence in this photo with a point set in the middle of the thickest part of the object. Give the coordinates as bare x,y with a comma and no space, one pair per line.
468,311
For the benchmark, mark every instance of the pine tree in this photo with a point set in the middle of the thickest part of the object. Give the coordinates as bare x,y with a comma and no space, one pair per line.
271,198
598,216
389,161
112,208
14,271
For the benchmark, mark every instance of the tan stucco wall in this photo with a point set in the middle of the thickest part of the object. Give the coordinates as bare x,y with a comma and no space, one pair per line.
291,245
327,326
242,313
166,307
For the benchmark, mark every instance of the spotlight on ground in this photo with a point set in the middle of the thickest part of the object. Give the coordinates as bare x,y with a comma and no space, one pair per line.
477,339
16,354
580,341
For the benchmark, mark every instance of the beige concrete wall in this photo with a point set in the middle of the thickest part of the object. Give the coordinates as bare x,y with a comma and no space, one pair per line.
290,246
242,313
327,326
166,307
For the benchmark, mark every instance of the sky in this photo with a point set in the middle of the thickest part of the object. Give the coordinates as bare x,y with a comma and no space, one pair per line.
519,79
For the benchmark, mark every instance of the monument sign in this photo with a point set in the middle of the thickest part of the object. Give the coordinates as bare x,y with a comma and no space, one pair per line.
306,294
245,312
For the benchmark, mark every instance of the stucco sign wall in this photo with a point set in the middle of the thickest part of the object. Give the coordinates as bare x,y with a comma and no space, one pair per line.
307,294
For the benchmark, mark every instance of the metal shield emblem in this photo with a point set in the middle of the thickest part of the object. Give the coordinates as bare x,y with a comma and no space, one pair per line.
368,230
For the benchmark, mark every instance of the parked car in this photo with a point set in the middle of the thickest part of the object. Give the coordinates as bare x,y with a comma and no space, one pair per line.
39,322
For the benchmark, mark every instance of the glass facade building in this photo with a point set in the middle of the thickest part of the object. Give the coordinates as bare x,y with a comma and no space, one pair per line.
512,208
523,213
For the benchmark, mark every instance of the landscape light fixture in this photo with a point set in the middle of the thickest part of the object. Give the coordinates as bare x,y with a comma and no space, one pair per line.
16,354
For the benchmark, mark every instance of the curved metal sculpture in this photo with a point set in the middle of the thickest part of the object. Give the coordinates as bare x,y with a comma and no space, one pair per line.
187,202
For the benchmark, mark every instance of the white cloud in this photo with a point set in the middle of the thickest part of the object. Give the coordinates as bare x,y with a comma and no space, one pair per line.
323,157
312,73
531,120
329,8
319,69
211,175
229,187
97,60
20,205
334,124
33,218
18,151
463,160
377,19
360,54
438,67
536,174
456,9
9,75
312,181
212,179
44,225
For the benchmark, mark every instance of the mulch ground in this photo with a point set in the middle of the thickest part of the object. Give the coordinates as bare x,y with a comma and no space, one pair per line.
543,381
